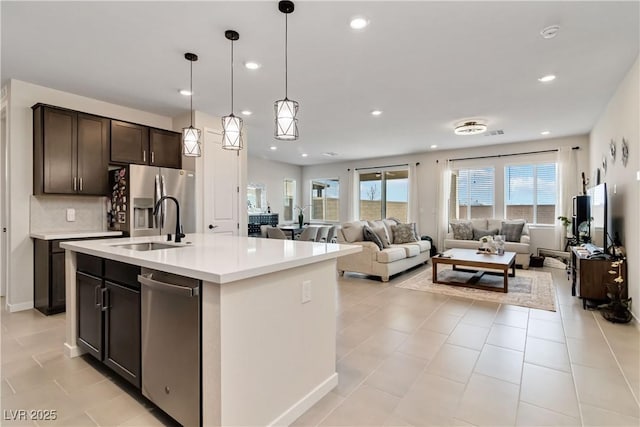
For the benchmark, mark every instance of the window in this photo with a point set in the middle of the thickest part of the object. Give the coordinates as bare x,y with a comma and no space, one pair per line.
384,194
325,198
289,199
475,193
530,192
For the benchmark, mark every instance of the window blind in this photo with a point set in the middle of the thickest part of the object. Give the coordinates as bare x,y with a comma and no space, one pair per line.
475,188
530,192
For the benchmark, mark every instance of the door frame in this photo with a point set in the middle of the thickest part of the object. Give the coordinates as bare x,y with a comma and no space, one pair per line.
5,221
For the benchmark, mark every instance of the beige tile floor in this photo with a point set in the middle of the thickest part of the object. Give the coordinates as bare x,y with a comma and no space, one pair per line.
405,358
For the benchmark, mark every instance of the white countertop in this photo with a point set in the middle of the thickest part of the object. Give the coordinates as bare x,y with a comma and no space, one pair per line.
216,258
56,235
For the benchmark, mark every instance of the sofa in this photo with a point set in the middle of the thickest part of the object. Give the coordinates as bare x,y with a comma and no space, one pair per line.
521,248
375,261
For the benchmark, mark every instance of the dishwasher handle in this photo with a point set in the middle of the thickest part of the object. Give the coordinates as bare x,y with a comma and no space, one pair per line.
186,291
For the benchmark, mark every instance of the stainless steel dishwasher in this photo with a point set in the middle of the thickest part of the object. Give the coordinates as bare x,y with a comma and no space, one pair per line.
171,344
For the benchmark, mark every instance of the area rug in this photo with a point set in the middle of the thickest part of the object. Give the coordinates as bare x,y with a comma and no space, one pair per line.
533,289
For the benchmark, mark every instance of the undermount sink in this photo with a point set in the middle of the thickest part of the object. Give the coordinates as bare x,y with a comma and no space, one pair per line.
148,246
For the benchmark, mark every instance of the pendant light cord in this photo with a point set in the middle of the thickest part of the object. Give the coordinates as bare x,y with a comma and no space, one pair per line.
286,50
191,90
232,77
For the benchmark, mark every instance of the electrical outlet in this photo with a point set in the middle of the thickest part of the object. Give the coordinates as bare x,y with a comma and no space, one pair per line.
71,215
306,291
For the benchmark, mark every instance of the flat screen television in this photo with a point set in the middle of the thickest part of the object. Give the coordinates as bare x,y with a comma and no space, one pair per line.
599,215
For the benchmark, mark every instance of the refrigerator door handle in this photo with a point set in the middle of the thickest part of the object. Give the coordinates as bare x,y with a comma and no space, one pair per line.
163,191
157,195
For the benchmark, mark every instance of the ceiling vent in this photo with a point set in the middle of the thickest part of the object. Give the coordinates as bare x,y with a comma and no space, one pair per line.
494,132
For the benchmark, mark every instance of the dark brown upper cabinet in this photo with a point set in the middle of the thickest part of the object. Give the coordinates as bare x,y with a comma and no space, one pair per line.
166,148
129,143
70,152
137,144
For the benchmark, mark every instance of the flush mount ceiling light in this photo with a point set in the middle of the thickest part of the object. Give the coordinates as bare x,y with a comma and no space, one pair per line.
358,23
231,125
470,128
548,78
252,65
550,32
286,110
191,135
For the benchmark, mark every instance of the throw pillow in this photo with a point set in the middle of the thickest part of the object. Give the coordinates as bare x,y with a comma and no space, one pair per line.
512,231
462,230
352,231
478,234
381,231
404,233
371,236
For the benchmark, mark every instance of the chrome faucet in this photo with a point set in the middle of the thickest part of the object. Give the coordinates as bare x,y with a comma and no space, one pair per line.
179,234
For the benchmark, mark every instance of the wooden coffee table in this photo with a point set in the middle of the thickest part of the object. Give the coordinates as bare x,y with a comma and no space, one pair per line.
470,258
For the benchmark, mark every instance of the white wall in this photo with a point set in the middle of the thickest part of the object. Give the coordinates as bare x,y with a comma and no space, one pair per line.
620,120
428,179
22,96
272,174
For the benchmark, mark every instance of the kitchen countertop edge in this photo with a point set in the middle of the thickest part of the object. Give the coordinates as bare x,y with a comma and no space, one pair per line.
60,235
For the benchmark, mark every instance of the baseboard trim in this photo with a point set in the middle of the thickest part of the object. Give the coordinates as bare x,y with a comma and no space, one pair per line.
20,306
303,405
73,350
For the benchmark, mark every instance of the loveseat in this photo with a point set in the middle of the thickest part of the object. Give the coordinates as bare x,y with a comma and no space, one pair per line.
521,247
376,261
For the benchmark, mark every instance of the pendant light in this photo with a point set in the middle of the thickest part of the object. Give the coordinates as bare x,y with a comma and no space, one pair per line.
231,125
286,109
191,135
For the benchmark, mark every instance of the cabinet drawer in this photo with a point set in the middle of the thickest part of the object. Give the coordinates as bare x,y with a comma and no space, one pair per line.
122,273
89,264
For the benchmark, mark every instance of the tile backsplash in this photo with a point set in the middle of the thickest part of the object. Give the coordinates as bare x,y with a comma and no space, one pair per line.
49,213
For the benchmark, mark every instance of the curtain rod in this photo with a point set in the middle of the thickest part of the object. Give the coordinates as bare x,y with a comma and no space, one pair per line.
509,155
388,166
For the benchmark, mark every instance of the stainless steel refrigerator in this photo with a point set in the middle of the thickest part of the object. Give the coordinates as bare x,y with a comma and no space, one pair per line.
136,189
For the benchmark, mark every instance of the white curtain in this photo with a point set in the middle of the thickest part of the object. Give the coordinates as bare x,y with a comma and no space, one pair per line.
353,194
414,198
567,188
444,193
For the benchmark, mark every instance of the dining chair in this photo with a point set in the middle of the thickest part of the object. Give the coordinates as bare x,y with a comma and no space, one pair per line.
308,234
332,236
276,233
323,232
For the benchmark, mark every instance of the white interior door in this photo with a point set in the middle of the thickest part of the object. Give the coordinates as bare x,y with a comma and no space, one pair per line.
221,185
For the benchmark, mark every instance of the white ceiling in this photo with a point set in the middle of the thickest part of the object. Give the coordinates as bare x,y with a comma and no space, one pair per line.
426,65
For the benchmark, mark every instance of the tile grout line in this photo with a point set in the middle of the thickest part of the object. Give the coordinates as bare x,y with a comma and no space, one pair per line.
626,380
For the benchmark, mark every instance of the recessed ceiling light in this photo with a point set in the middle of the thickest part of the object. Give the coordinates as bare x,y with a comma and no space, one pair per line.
547,78
305,155
273,148
545,132
433,146
550,32
252,65
358,23
186,92
376,112
246,112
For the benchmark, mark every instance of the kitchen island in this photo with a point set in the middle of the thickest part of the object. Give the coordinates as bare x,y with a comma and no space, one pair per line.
267,318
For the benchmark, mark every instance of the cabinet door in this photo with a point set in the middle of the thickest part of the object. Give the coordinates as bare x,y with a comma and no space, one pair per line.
93,154
59,140
57,283
122,332
129,143
166,149
89,291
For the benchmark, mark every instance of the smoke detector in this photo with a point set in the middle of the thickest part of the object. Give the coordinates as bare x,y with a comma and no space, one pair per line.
550,32
470,128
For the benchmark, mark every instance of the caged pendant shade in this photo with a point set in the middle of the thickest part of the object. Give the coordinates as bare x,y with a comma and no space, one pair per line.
286,110
191,135
231,125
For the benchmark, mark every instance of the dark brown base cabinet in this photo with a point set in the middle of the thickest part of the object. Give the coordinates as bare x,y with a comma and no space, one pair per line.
590,277
109,314
49,282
